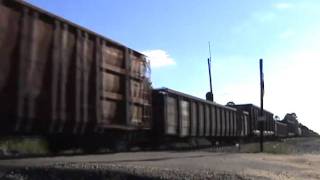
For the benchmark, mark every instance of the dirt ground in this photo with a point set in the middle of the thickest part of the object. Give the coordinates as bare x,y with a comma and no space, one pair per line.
301,162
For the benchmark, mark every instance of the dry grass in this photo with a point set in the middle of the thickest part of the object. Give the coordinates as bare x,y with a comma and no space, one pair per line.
23,145
269,147
287,146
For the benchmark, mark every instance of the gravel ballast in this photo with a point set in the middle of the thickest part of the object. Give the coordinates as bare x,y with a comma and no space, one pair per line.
199,164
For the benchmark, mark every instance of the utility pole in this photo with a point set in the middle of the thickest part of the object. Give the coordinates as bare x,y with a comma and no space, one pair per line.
261,118
209,95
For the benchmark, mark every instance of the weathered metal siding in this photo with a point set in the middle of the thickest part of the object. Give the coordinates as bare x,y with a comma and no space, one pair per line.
223,122
194,123
218,120
244,120
254,112
185,115
200,119
184,108
171,120
207,120
234,124
9,33
281,129
57,77
227,123
213,121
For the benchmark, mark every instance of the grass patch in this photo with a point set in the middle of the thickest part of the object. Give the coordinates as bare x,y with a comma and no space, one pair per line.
268,147
250,148
277,148
24,145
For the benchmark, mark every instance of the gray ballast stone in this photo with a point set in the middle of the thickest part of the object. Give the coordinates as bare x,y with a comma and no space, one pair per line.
152,172
112,171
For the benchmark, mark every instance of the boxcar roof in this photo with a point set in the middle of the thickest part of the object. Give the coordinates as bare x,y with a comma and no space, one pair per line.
171,91
282,123
253,106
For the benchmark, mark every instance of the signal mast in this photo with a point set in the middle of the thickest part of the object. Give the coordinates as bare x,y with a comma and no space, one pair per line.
209,95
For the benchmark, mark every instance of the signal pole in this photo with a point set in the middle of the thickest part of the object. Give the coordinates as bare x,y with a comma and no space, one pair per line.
262,118
209,95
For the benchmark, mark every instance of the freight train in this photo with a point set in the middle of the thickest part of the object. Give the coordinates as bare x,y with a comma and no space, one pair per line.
65,82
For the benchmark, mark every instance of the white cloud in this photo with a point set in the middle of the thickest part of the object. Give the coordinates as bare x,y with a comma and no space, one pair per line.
282,5
158,58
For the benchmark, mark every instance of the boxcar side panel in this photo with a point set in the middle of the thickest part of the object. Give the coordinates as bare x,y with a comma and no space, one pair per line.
184,118
207,120
194,118
171,124
246,123
227,124
218,115
200,119
231,123
223,121
213,121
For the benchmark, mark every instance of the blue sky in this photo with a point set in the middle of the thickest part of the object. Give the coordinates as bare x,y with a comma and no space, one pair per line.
175,35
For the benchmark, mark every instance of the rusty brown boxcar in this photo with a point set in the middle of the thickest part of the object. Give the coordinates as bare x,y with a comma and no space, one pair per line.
58,77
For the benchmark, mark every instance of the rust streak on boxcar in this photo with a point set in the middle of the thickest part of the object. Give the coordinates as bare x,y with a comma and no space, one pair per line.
78,74
99,89
23,54
63,78
85,76
32,68
56,56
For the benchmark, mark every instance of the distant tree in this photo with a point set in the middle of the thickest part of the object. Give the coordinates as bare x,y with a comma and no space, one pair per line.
277,118
291,117
231,103
294,116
